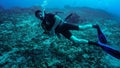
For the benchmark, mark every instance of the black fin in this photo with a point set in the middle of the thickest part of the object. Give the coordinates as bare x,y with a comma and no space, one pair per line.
110,50
101,36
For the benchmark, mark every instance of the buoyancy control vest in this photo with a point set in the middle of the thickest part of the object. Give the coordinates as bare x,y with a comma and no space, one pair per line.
48,22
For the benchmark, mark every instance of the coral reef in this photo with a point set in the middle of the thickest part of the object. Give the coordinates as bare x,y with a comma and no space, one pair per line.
23,44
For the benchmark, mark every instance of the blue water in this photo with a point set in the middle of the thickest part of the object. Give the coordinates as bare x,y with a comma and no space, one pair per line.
20,31
112,6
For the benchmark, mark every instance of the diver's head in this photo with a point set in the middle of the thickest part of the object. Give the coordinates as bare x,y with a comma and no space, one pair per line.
39,14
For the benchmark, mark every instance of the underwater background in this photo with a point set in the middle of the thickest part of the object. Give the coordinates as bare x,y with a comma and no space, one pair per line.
23,44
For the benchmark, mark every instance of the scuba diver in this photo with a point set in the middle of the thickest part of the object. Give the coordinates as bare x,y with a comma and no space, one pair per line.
53,24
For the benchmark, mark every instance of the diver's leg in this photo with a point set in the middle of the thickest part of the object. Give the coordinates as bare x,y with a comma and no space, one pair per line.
68,26
82,41
101,36
76,40
83,27
89,26
71,37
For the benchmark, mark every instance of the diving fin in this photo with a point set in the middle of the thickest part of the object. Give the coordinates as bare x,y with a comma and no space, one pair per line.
101,36
109,50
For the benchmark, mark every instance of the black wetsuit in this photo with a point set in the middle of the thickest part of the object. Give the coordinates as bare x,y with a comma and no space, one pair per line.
49,21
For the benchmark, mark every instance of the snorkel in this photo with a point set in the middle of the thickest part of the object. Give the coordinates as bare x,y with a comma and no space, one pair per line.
40,14
43,6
